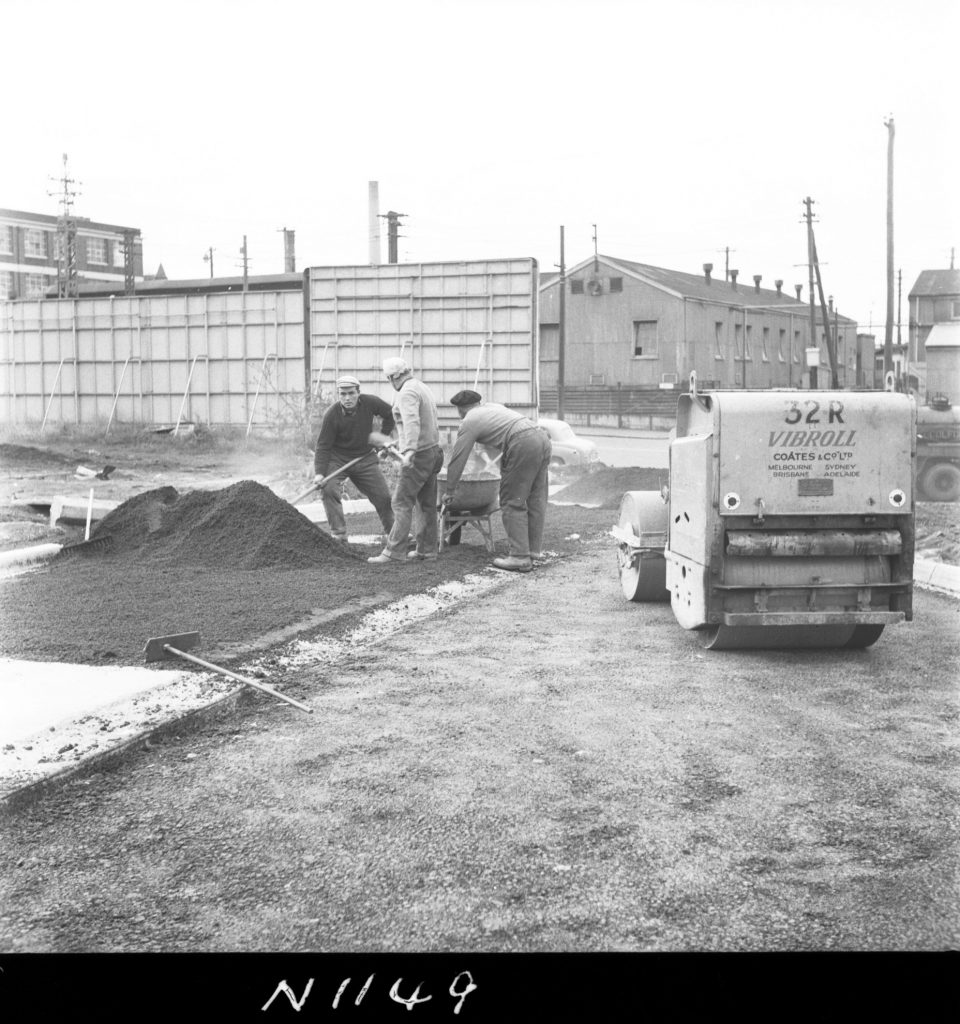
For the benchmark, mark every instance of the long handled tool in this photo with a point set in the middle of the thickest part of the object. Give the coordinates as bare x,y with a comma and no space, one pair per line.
319,483
88,544
160,648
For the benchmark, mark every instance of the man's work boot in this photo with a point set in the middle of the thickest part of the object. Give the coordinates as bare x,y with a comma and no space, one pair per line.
414,556
382,559
513,563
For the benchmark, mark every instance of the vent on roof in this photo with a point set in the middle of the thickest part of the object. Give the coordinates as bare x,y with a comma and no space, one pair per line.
733,278
756,281
799,288
616,284
779,284
576,286
707,270
595,286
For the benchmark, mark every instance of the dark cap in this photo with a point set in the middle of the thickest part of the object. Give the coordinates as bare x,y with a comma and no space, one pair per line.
465,398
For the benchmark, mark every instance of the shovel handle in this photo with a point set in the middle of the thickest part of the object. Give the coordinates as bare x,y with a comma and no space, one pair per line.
319,483
239,678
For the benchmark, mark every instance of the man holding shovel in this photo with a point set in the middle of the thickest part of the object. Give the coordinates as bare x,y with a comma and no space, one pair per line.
344,437
421,459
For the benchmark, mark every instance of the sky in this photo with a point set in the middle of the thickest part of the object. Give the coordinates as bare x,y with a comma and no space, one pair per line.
665,133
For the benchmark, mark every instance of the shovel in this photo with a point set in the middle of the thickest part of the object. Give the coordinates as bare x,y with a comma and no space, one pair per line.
319,483
160,648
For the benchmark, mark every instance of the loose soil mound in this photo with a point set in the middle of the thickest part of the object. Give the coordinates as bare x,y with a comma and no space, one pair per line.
244,526
17,454
605,488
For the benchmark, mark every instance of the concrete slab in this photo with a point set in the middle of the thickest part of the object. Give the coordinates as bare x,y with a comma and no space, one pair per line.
73,510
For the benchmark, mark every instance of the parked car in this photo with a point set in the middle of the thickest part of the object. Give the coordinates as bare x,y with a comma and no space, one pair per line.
569,450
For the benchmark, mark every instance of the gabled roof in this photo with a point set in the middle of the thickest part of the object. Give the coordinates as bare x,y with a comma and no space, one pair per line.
694,286
937,282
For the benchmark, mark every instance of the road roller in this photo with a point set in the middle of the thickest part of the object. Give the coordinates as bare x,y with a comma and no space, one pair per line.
787,519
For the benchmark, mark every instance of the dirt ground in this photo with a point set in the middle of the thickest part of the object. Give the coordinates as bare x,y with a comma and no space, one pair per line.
547,768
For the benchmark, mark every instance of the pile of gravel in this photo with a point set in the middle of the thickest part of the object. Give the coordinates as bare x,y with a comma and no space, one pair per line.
244,526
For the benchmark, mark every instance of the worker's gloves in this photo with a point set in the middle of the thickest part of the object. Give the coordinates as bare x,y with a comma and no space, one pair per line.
317,477
446,500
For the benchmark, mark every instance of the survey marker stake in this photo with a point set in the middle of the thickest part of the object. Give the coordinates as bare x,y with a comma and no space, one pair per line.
160,648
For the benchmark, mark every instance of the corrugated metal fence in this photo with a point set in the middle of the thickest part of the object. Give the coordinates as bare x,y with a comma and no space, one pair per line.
223,358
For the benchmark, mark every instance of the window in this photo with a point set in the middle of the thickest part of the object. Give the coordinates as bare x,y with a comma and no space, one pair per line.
597,378
796,346
6,284
97,251
34,285
118,254
616,284
6,239
644,337
718,339
738,340
956,310
576,287
781,345
765,353
748,348
35,243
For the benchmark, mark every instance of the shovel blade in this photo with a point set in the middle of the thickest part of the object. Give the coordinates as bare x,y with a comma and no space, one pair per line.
156,646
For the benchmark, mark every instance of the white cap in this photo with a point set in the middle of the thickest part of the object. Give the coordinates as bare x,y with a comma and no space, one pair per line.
347,381
394,366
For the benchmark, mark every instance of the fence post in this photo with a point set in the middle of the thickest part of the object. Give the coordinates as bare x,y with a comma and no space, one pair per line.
619,406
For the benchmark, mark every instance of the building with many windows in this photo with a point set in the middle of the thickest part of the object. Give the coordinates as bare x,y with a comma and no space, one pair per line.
632,325
934,317
31,257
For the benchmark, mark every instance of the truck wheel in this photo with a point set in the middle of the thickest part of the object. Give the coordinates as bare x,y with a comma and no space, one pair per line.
940,481
641,565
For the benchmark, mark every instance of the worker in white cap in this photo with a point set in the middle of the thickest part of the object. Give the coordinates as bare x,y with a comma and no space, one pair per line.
344,435
415,413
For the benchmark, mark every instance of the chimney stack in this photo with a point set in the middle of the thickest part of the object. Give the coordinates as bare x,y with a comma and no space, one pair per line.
756,281
289,253
707,268
830,303
779,284
733,278
373,204
799,288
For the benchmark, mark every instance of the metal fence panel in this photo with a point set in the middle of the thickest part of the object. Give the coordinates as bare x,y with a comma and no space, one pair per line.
222,358
465,324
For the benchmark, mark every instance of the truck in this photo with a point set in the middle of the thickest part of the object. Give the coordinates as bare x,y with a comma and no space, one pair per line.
938,449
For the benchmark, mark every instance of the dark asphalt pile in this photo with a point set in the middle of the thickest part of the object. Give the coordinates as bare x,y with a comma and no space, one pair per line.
244,526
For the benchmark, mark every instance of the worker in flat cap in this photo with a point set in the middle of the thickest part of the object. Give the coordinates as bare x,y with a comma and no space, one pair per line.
523,472
415,496
344,435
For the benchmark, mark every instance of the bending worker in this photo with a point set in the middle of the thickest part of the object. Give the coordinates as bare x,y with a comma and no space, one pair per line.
523,472
415,413
344,436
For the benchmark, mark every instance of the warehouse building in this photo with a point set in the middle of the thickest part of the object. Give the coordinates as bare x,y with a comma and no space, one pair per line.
634,326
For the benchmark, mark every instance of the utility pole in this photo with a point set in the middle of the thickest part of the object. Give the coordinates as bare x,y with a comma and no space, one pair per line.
831,343
561,332
208,258
289,257
888,333
68,282
596,262
808,203
726,262
128,247
393,225
243,253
